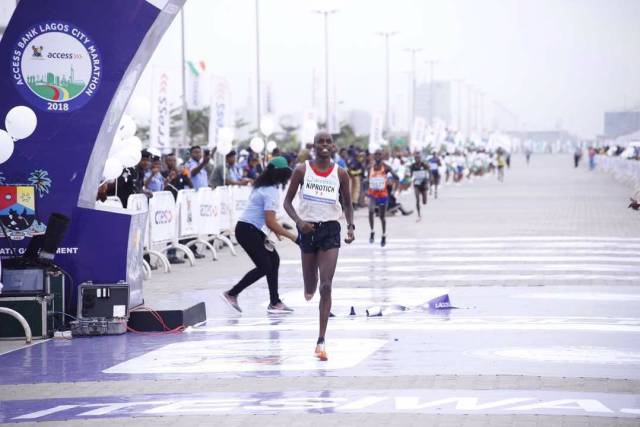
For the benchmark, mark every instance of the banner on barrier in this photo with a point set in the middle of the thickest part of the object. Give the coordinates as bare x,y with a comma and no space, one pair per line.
240,197
162,218
226,208
208,211
187,207
140,203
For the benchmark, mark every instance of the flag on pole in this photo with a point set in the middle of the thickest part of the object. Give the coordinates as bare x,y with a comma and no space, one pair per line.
375,134
418,134
197,85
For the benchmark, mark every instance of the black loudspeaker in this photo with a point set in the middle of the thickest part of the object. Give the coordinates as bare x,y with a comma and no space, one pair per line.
47,246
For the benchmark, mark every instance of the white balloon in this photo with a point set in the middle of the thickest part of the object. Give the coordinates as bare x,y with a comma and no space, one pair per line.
129,157
20,122
6,146
256,144
224,147
140,109
133,142
116,146
112,168
154,151
267,125
127,127
226,134
271,145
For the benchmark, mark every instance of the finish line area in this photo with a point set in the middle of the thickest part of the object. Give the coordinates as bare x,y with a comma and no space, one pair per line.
481,358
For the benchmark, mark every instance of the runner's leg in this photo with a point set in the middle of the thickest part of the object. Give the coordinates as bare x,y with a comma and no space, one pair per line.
417,192
372,210
327,261
383,221
310,274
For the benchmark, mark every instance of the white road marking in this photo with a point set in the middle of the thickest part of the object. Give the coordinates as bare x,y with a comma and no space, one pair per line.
564,354
253,355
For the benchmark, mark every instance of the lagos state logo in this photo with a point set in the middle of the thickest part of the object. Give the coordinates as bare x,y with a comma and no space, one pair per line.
56,66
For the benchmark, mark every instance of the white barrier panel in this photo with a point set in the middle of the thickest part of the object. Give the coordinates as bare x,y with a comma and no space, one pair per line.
163,218
623,170
240,201
226,208
187,203
208,214
112,202
140,202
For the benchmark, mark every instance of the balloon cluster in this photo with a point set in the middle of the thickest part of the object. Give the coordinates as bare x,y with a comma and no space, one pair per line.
225,140
125,149
20,123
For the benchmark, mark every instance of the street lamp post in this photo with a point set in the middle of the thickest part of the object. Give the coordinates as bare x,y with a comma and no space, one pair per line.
459,102
386,35
413,52
432,63
326,13
258,65
185,126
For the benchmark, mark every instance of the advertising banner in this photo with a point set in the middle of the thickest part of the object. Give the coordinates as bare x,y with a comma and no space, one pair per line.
221,114
162,84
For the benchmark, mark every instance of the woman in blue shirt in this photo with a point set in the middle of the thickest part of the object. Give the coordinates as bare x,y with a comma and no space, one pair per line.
260,211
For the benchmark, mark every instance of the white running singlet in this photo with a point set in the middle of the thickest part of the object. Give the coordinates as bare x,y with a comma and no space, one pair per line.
319,196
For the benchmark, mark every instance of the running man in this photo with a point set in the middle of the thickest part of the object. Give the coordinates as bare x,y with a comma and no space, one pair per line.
321,183
434,167
420,178
379,194
500,160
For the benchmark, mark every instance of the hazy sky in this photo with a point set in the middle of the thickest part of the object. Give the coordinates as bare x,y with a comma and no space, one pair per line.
549,61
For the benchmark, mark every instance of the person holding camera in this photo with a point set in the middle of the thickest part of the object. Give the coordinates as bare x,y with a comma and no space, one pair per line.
196,165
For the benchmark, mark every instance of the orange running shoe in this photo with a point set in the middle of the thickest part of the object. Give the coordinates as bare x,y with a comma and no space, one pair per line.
321,353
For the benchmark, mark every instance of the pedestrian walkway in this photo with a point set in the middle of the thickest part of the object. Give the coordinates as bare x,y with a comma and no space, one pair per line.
543,271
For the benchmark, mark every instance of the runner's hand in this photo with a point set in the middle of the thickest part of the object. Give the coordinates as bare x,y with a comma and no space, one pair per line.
350,237
306,228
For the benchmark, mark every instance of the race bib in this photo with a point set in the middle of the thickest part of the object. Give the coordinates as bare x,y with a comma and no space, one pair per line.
433,166
377,183
419,176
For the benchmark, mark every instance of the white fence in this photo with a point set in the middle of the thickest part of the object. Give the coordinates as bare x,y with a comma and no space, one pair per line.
623,170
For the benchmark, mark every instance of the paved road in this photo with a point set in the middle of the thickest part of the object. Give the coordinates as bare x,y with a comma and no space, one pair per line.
543,270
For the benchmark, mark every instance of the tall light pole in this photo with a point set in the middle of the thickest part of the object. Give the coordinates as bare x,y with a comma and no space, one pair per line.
432,64
185,126
387,35
459,102
469,107
413,52
258,66
326,13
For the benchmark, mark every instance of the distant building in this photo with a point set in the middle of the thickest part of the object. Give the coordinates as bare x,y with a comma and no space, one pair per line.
617,123
442,101
360,121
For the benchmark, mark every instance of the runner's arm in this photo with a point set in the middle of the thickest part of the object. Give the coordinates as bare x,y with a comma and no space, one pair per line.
348,206
294,184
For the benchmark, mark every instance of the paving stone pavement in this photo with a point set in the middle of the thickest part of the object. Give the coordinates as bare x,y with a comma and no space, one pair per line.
559,259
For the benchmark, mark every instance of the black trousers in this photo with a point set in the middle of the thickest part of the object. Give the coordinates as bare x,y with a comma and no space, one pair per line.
267,262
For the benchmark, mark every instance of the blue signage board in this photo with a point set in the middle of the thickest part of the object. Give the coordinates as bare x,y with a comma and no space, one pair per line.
75,63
